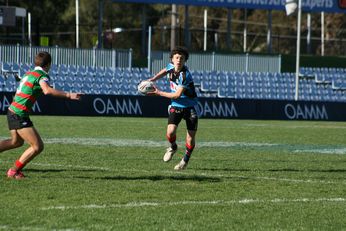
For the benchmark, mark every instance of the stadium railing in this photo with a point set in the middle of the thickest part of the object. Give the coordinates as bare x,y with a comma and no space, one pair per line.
220,62
69,56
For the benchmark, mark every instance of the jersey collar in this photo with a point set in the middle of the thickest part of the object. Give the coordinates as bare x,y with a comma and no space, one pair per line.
38,68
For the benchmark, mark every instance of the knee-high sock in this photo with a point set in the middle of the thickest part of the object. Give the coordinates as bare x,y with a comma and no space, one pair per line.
188,152
171,140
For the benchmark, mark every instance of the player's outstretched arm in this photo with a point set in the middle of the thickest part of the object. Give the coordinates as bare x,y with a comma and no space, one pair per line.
159,75
47,90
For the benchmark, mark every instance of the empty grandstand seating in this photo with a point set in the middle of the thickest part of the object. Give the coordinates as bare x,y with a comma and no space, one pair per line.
315,84
328,84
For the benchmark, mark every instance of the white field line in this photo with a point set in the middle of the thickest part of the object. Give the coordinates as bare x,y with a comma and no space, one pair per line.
182,203
340,151
144,143
151,143
211,144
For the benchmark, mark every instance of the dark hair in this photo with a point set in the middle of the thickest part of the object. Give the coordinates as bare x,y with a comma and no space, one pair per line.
181,51
43,59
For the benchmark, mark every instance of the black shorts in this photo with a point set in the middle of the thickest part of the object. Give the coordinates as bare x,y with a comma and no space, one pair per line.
189,114
17,122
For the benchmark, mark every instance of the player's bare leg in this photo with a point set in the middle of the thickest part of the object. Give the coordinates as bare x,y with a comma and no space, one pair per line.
190,145
171,137
31,136
14,142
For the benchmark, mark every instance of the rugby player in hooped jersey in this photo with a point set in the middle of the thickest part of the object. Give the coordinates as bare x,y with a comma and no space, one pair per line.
33,84
183,104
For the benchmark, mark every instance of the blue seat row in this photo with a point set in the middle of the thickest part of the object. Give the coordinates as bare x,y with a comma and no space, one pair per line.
222,84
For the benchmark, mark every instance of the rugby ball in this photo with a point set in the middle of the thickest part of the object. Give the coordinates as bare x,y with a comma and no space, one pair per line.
145,87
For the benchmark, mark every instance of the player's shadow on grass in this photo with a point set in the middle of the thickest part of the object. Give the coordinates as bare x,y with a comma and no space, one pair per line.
129,178
44,170
59,170
159,178
327,170
226,169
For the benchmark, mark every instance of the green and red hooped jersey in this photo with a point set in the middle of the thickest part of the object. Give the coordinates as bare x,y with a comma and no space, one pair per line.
28,91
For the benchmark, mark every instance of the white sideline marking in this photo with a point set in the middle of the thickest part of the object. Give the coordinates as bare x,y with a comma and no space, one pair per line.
152,143
178,203
144,143
105,141
324,151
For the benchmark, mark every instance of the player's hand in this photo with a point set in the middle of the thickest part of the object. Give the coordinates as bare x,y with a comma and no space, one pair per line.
155,92
17,77
76,96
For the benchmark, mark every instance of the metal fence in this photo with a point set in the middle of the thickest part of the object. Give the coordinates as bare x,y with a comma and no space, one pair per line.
69,56
220,62
157,60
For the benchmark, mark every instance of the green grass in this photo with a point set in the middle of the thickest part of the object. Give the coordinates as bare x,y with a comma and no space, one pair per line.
243,175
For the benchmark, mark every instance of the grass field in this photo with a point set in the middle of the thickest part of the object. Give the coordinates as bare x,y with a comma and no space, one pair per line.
107,174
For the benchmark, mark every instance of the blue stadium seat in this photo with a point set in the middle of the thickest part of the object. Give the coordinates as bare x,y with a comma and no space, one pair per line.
108,74
2,81
63,69
225,92
145,73
114,90
90,70
59,85
6,67
100,71
73,70
26,67
82,70
329,83
123,89
88,85
9,88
